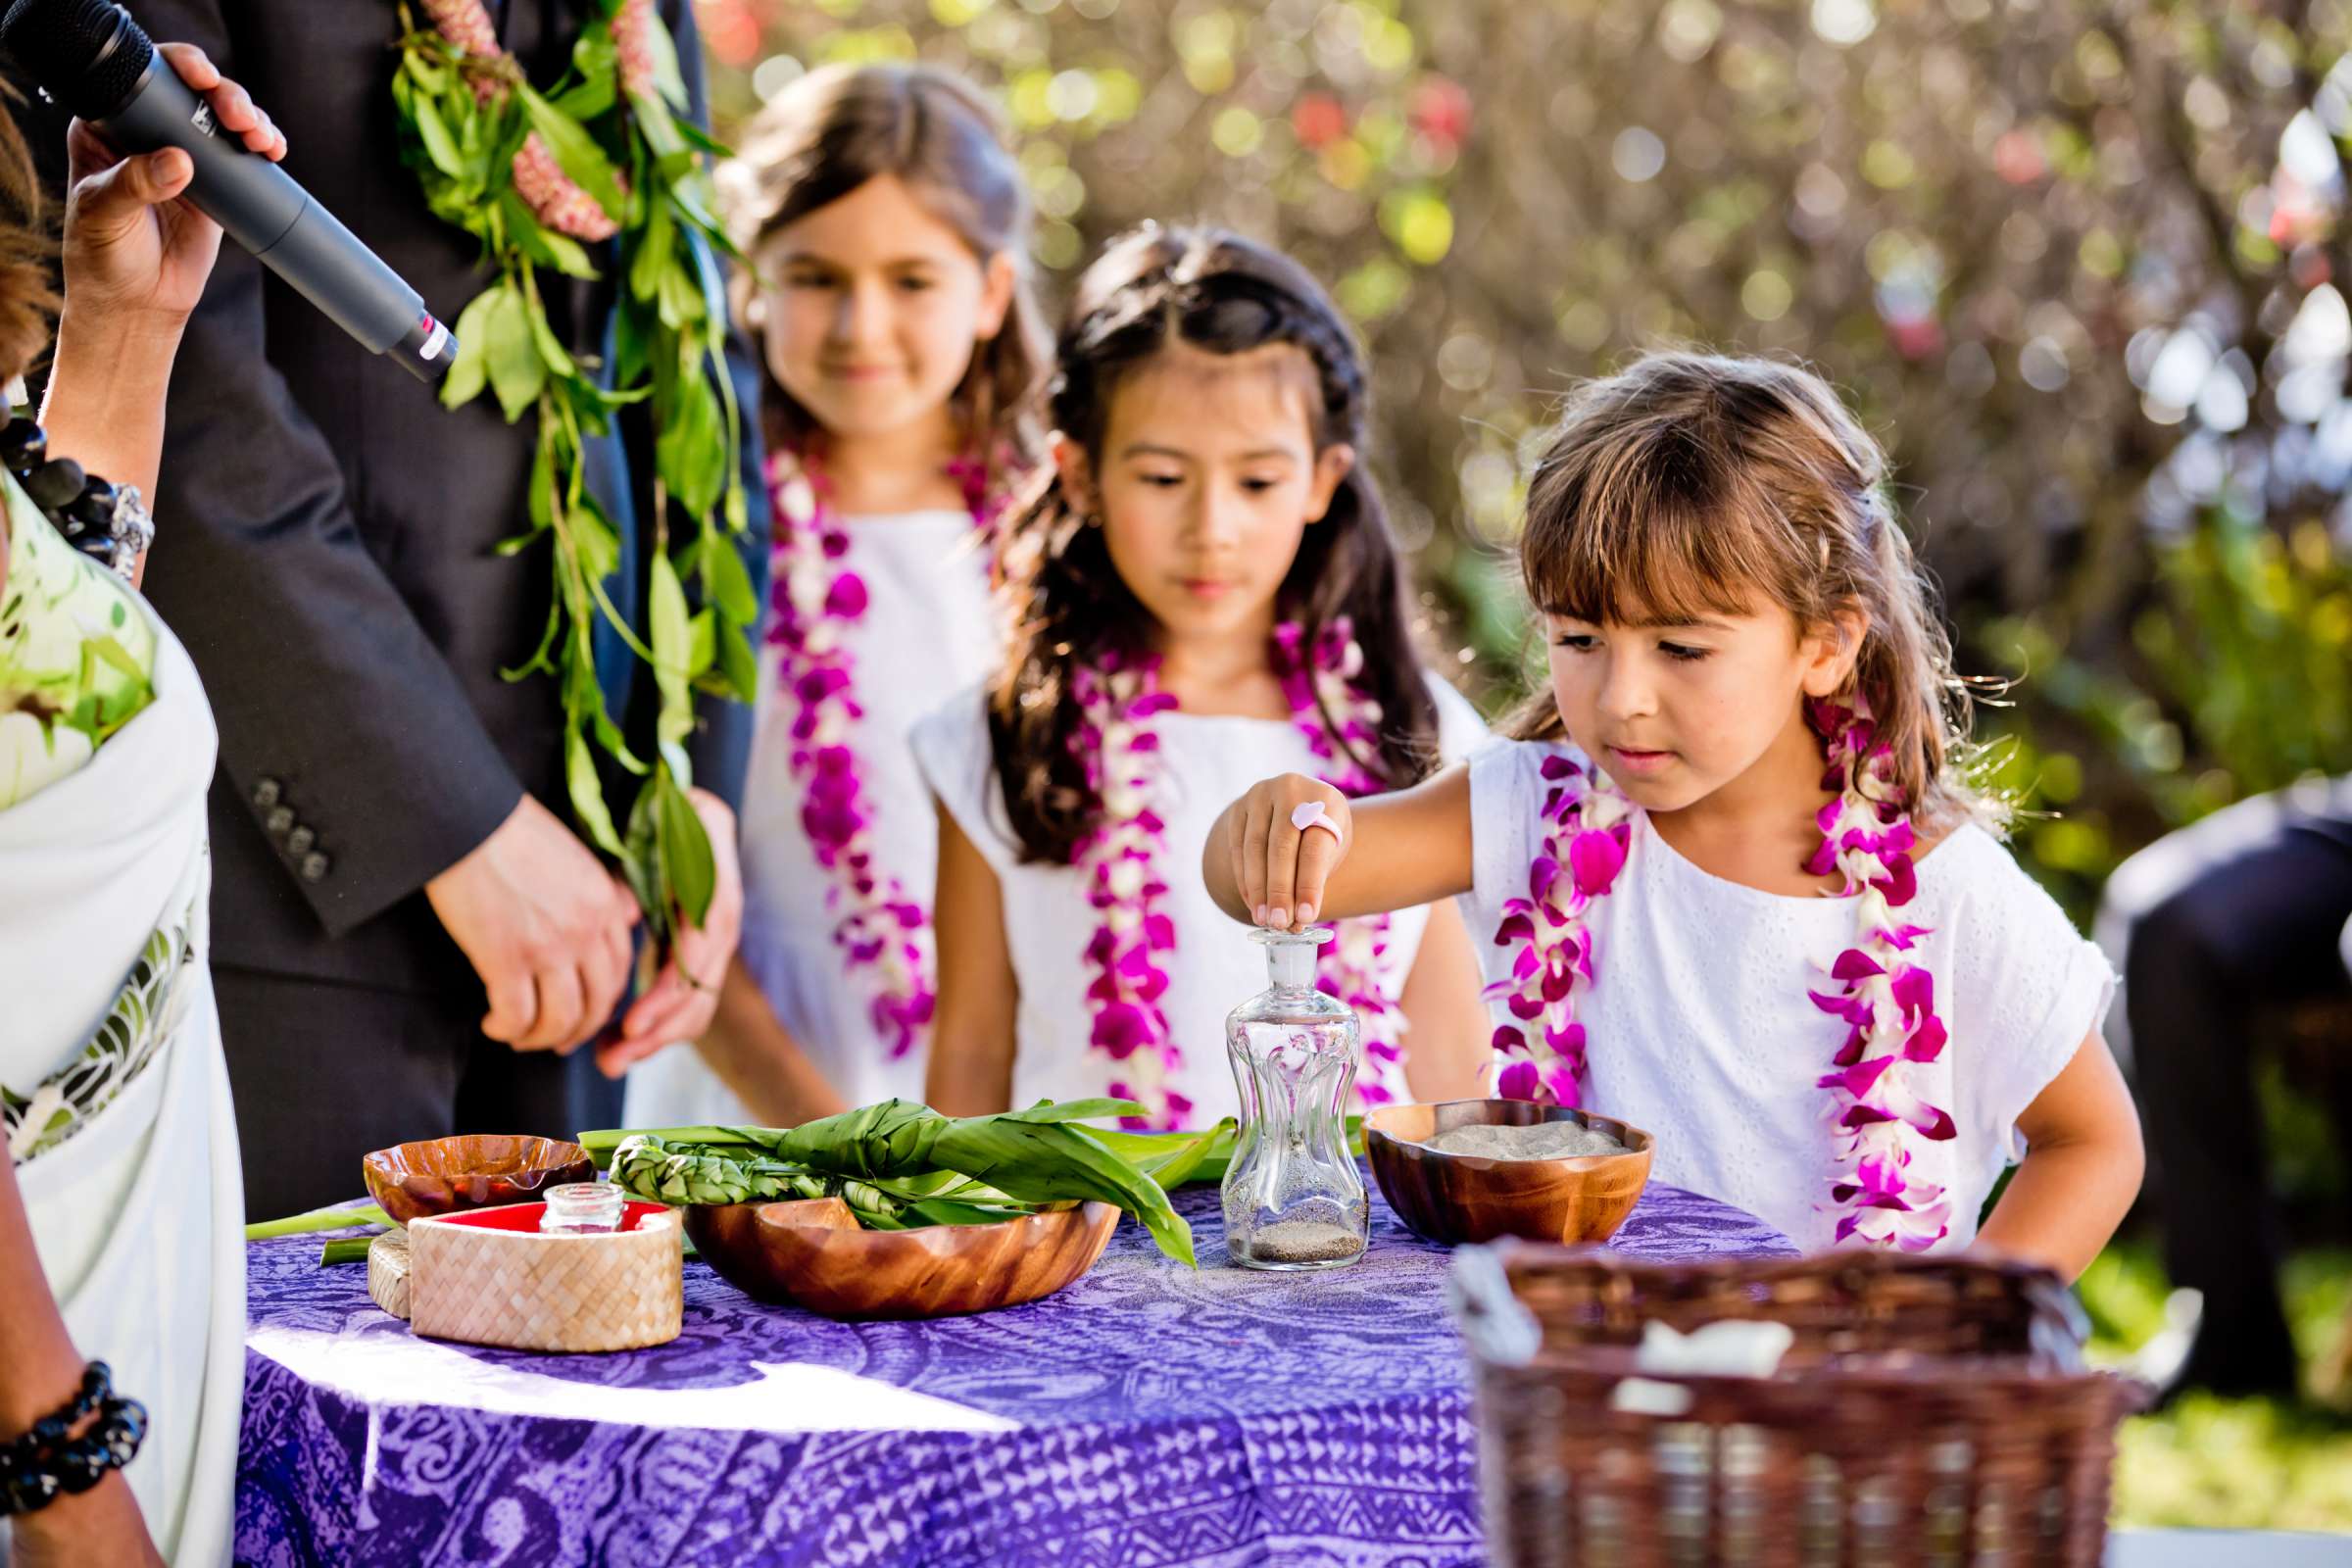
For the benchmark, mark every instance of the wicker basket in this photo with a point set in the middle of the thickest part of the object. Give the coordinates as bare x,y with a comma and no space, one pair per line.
1929,1411
491,1277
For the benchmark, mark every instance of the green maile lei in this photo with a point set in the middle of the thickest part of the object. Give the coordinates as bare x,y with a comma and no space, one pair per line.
606,154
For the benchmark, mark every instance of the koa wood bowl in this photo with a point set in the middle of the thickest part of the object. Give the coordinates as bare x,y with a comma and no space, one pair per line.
812,1255
1468,1198
478,1171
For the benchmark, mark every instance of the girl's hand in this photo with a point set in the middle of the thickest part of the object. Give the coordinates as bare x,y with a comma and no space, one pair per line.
133,249
1279,866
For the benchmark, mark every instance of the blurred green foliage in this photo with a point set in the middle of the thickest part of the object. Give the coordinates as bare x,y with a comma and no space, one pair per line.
2212,1463
2075,262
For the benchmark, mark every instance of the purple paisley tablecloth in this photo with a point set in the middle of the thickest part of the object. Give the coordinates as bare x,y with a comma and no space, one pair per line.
1147,1417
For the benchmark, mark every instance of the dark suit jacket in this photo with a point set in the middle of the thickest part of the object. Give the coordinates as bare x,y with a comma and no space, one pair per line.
328,535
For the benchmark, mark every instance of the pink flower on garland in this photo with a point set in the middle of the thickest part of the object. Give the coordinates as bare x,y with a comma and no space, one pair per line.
1588,826
552,195
632,40
1117,701
1876,1109
466,24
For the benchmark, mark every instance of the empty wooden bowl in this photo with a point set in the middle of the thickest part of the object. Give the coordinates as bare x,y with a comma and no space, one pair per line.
476,1170
812,1253
1470,1198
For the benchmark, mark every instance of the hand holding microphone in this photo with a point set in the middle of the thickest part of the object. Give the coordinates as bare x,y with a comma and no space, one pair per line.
136,256
132,248
92,58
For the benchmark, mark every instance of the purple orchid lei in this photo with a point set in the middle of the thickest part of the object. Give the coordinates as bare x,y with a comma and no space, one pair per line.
1887,1002
1358,966
1588,826
1120,858
884,933
1117,699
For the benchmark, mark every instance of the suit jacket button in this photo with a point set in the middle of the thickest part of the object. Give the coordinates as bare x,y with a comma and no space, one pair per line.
264,794
278,821
298,841
314,866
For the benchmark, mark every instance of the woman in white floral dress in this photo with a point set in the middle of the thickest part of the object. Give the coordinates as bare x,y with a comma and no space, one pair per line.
121,1205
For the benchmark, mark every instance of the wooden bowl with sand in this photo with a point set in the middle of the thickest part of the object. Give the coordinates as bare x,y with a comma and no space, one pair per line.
1471,1170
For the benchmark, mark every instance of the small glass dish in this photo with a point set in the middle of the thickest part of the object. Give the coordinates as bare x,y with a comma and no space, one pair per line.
582,1208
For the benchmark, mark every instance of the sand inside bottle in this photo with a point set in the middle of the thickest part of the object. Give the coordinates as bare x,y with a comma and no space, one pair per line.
1304,1241
1544,1140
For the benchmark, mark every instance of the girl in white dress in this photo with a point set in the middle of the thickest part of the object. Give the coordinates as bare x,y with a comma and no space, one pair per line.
1206,587
888,226
1739,891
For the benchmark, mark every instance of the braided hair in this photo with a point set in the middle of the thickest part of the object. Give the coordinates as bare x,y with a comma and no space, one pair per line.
1220,294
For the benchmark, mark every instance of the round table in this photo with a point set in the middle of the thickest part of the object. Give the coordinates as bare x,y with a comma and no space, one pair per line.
1149,1414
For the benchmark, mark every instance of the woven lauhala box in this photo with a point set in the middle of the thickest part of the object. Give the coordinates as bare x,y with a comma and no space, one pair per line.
493,1277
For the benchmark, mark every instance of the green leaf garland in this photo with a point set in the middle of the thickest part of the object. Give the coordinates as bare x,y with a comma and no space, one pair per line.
540,178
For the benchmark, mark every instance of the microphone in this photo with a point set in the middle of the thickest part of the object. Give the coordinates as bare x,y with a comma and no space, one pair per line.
94,60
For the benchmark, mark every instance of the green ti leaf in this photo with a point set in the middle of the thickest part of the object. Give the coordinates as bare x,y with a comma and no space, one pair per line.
672,647
516,371
737,663
668,78
587,792
686,853
439,146
729,579
576,152
691,452
469,372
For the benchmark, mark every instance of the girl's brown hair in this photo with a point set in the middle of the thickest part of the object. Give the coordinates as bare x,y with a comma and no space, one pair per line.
1221,294
836,128
1697,482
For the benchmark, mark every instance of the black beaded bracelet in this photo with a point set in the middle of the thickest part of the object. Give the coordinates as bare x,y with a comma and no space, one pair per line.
49,1462
107,523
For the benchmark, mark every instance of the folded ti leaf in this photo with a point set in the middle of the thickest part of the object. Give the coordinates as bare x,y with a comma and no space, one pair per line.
908,1164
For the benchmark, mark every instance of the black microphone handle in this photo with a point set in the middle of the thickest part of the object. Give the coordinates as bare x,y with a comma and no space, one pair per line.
258,205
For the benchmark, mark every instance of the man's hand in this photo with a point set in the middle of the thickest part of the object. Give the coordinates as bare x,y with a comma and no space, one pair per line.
544,925
679,1004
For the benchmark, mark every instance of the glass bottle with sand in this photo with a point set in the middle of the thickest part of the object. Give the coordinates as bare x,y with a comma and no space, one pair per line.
1293,1197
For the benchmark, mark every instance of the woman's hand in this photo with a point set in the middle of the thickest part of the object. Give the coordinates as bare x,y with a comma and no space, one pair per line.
133,250
1283,854
137,257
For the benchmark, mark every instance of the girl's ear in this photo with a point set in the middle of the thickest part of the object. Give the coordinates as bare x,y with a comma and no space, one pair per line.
1332,466
998,281
1077,475
1831,650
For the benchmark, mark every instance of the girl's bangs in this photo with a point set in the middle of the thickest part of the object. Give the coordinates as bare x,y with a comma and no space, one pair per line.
1641,560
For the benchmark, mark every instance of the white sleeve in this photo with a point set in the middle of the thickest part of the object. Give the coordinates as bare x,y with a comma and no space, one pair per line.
951,750
2030,991
1506,800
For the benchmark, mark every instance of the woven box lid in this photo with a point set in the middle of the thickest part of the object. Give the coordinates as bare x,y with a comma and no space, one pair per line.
493,1277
